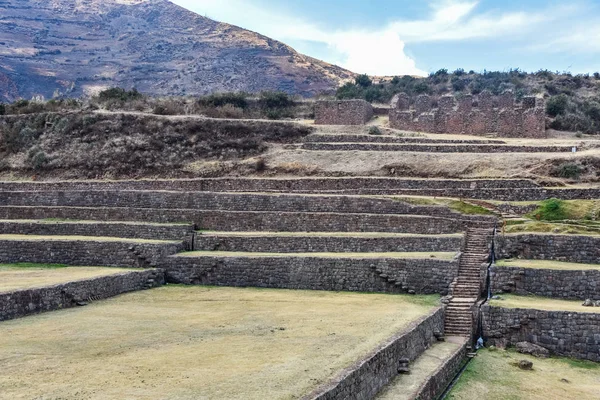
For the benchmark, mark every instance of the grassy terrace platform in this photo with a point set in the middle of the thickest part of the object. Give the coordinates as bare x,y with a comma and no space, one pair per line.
196,342
439,256
492,376
27,276
79,239
547,264
542,303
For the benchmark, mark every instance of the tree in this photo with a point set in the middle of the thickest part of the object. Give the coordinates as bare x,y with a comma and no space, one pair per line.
363,80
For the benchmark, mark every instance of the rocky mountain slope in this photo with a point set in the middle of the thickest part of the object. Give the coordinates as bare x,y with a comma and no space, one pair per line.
71,47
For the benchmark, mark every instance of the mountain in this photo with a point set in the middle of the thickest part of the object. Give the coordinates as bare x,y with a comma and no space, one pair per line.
72,47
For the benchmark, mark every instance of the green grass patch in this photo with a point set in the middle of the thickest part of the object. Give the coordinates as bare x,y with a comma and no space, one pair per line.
33,265
547,264
468,209
558,210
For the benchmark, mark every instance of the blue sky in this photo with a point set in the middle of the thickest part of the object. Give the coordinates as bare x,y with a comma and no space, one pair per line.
394,37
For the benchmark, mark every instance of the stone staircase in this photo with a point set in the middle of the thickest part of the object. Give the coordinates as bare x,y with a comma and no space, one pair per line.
467,290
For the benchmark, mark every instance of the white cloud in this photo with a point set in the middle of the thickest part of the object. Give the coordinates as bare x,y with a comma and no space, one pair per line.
382,51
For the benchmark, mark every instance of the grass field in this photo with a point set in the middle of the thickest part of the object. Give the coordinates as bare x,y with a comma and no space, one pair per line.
492,376
180,342
542,303
547,264
26,276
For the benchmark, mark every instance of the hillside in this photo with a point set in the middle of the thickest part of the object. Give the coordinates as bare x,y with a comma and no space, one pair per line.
66,47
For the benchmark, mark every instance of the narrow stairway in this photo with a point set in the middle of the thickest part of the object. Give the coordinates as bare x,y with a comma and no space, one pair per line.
459,316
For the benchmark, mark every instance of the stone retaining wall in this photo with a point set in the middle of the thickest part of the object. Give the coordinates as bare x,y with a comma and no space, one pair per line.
431,148
87,253
424,276
349,138
343,112
271,184
119,230
439,381
564,333
370,375
563,284
327,244
218,201
37,300
236,221
571,248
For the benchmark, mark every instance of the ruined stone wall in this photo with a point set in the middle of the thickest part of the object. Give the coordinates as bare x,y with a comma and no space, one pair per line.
386,275
343,112
25,302
564,333
328,244
87,253
563,284
470,115
103,229
570,248
370,375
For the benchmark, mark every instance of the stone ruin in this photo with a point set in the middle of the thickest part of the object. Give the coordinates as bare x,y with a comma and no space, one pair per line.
343,112
470,115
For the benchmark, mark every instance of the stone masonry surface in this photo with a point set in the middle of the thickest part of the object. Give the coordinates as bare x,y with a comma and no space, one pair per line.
343,112
218,201
386,275
563,284
32,301
370,375
87,253
468,115
571,248
327,244
102,229
433,148
250,221
564,333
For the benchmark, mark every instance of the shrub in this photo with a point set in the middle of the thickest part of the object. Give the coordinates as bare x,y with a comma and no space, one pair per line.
2,109
551,210
119,94
373,130
421,87
573,122
349,91
164,109
459,84
275,100
557,105
37,159
459,72
226,111
395,80
568,171
597,75
235,99
363,80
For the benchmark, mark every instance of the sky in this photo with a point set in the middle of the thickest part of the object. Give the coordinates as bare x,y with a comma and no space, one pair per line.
400,37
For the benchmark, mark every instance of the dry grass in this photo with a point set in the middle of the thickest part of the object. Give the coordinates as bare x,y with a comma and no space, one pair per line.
542,303
550,228
405,387
80,239
492,376
15,277
414,255
547,264
198,343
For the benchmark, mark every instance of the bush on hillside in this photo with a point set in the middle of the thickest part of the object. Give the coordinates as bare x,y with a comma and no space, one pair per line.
551,210
363,80
557,105
2,109
373,130
275,100
119,94
235,99
568,171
